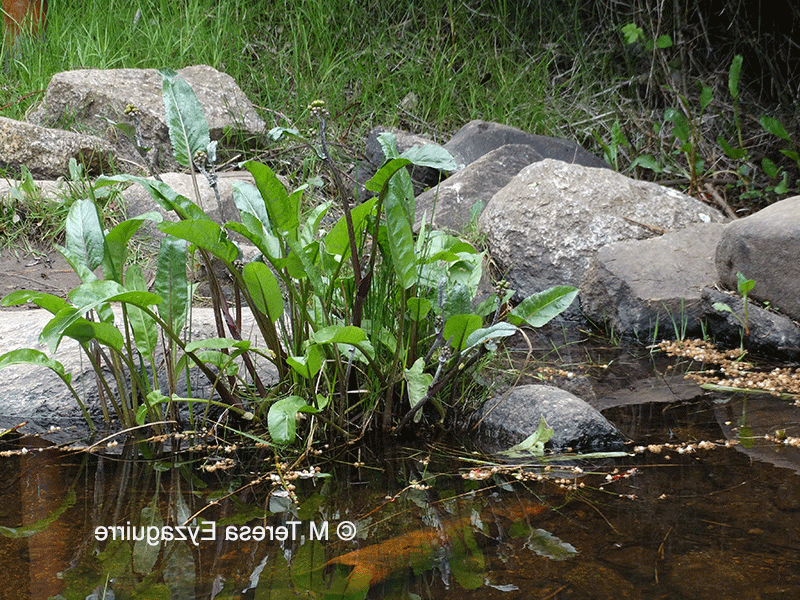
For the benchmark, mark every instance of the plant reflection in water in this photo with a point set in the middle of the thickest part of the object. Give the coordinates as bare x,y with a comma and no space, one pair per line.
424,525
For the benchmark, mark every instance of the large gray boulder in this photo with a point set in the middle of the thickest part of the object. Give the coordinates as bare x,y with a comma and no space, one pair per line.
34,394
477,138
543,228
89,98
449,204
765,247
652,287
510,418
46,152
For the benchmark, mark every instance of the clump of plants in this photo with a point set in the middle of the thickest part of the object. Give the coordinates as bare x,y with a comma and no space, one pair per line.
32,218
369,326
702,140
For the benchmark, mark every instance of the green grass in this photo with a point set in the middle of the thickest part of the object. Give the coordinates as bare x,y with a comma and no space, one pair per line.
554,68
362,58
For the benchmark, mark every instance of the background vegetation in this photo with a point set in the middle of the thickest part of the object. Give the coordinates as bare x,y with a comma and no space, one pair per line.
567,69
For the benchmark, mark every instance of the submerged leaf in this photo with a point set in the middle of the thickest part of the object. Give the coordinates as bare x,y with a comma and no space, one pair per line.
145,554
42,524
546,544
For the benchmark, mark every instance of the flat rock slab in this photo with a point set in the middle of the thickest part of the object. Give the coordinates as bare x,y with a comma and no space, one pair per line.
37,396
89,98
511,417
47,187
665,389
477,138
449,204
138,200
43,271
46,152
652,287
765,247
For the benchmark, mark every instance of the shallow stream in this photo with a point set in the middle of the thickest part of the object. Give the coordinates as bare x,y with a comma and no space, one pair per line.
676,518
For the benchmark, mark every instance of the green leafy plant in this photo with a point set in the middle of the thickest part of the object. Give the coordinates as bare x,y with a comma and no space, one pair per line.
634,34
124,343
685,121
534,444
743,286
775,173
364,322
686,129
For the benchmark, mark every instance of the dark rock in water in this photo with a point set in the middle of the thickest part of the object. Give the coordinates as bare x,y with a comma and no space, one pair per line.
648,288
596,580
771,333
449,204
511,417
477,138
707,574
764,247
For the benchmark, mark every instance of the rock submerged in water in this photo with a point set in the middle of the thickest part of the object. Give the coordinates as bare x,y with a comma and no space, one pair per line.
510,418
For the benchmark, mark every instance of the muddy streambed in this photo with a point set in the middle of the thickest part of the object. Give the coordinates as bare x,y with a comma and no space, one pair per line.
692,512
